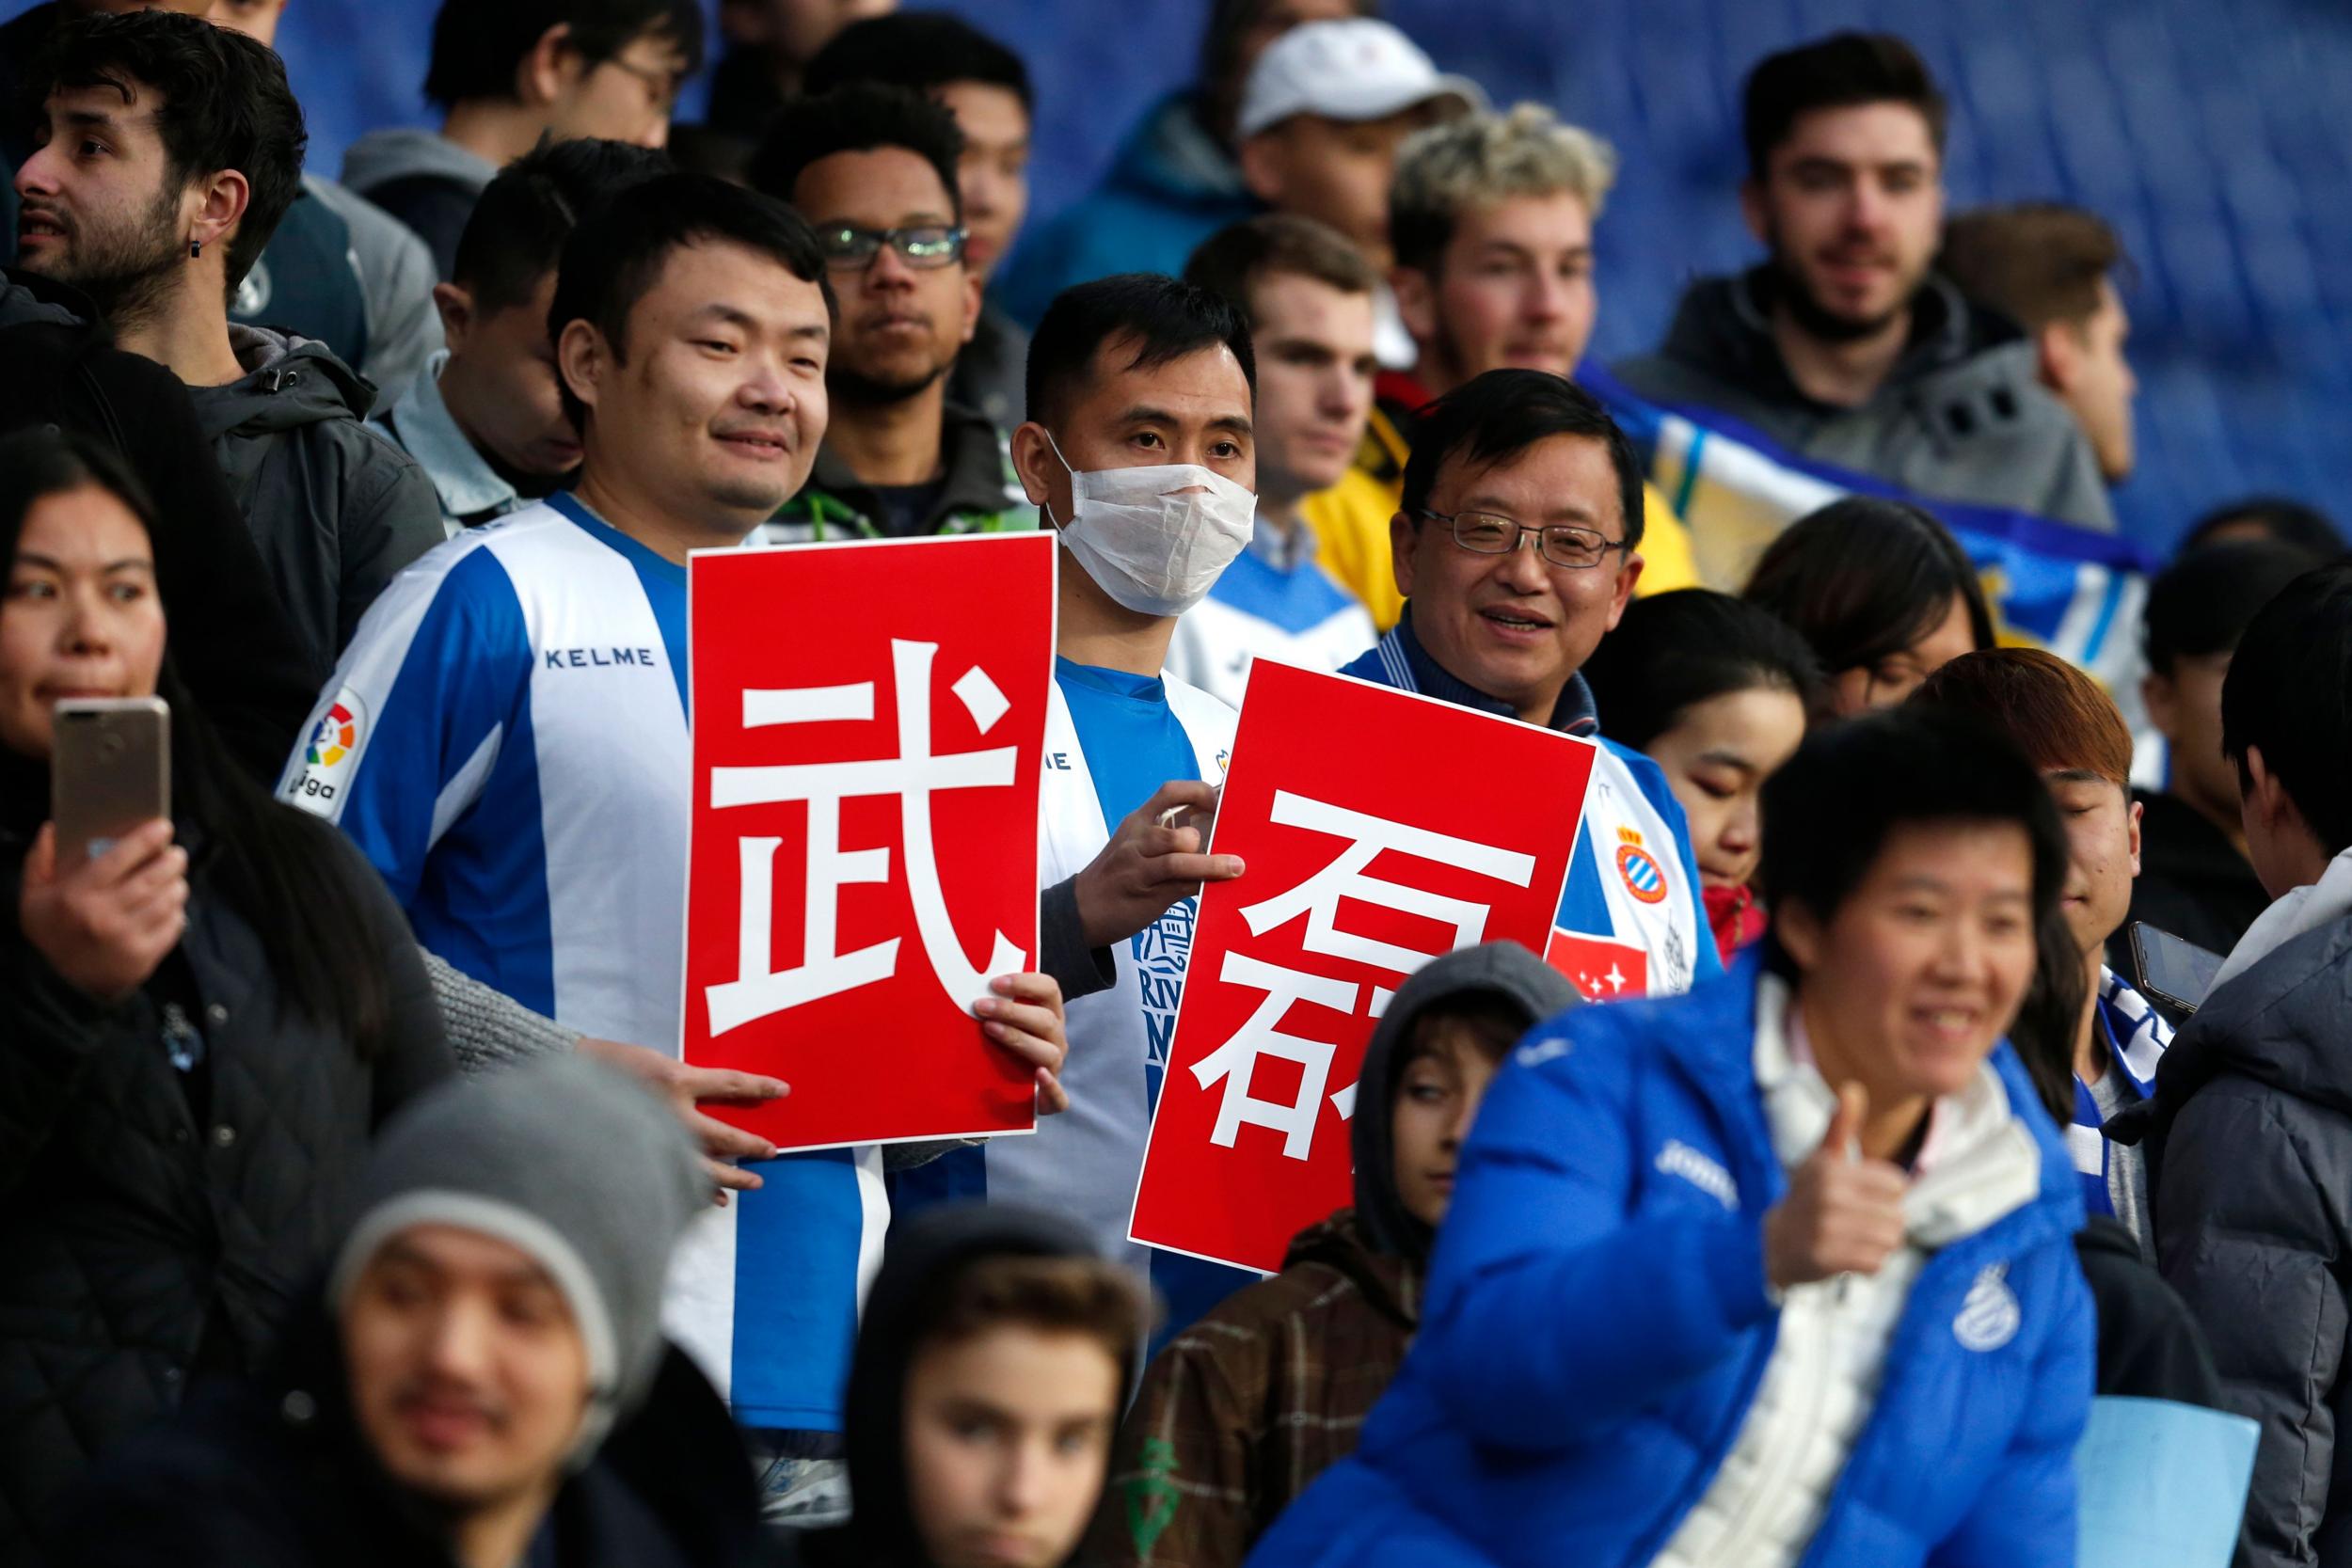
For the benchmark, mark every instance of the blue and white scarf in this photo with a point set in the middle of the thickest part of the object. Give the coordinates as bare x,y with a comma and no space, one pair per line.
2136,1035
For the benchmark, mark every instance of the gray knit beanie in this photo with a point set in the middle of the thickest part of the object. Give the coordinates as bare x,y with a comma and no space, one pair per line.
571,1162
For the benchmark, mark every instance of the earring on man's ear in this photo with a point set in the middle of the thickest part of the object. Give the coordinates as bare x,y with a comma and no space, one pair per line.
196,250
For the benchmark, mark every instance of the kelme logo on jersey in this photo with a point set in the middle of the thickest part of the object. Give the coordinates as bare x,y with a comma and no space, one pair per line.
332,753
1643,876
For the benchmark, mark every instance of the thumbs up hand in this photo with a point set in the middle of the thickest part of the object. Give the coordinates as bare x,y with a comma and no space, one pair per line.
1842,1213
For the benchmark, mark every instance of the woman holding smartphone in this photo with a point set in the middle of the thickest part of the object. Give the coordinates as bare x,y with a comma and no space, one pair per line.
202,1022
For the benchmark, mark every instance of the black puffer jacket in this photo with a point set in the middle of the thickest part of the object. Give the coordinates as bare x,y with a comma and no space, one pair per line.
141,1246
2250,1180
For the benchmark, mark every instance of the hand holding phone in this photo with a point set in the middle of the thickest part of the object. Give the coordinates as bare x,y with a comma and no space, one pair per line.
104,924
109,770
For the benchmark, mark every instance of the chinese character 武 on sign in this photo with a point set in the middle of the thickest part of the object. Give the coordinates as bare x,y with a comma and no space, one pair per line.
863,857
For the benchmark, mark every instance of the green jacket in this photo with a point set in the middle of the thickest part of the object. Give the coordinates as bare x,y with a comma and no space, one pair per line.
979,493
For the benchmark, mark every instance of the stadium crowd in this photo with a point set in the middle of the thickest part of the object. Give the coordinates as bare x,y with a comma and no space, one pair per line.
1996,1059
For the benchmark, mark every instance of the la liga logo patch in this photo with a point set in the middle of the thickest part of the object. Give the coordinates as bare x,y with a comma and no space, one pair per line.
330,754
1643,876
335,737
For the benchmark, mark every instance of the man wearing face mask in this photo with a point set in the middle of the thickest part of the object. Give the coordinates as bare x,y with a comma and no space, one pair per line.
1139,452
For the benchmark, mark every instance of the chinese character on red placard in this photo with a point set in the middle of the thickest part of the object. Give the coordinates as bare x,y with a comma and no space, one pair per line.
1367,858
863,856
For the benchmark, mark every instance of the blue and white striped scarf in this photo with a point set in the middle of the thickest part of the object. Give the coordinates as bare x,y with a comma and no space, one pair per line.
2136,1037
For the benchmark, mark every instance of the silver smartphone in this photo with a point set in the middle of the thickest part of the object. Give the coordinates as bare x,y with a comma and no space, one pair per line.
109,770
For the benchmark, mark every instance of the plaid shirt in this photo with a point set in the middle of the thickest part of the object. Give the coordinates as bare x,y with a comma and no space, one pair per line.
1246,1406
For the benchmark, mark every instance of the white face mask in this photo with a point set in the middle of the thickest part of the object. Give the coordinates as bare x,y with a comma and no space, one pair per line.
1153,551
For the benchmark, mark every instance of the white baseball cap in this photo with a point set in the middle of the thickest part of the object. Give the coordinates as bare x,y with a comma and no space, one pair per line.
1361,68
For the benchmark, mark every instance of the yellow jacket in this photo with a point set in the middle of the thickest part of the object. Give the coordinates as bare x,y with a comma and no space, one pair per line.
1350,522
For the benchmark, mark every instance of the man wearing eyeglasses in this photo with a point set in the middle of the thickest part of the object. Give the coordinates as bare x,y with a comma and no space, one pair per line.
873,170
1517,546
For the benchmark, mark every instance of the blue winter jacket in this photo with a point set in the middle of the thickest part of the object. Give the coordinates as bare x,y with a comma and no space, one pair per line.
1169,187
1596,1325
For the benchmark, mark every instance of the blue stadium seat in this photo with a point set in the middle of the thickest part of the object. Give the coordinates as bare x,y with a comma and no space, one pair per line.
2217,137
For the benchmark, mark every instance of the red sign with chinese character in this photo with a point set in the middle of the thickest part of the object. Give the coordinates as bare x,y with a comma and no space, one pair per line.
869,731
1380,828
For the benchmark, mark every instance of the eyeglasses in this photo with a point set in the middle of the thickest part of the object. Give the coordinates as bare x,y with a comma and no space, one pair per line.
1559,544
925,246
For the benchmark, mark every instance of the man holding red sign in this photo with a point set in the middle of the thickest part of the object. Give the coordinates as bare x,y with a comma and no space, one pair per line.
1517,545
508,739
1140,456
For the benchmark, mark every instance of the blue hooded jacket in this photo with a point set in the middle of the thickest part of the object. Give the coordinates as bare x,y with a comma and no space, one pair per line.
1169,187
1596,1326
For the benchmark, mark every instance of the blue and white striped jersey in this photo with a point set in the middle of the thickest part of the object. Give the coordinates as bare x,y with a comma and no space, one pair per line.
505,738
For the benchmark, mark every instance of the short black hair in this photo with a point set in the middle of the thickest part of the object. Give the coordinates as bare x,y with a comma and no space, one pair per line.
1672,651
1864,578
2289,692
1840,72
1830,808
2281,517
478,44
1169,320
1501,414
922,51
862,116
226,105
615,254
517,230
2201,604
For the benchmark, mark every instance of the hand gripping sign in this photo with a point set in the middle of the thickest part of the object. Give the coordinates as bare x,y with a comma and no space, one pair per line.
869,728
1381,829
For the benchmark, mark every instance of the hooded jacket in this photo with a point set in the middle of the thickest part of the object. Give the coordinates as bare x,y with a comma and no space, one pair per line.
335,508
1246,1408
272,1473
1962,417
341,269
236,647
1171,186
422,179
922,1254
1597,1324
2250,1177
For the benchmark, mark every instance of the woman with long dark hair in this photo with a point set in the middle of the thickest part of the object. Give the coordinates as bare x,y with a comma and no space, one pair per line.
1882,591
1718,693
203,1022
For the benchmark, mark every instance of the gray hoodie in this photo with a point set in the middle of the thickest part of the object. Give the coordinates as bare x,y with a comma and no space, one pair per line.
336,510
421,177
1962,417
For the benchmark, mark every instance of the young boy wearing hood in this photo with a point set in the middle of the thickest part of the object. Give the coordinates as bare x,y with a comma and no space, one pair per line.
1241,1411
991,1362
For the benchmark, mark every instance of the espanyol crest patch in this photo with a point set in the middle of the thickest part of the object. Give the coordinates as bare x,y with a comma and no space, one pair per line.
1990,1316
1643,876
